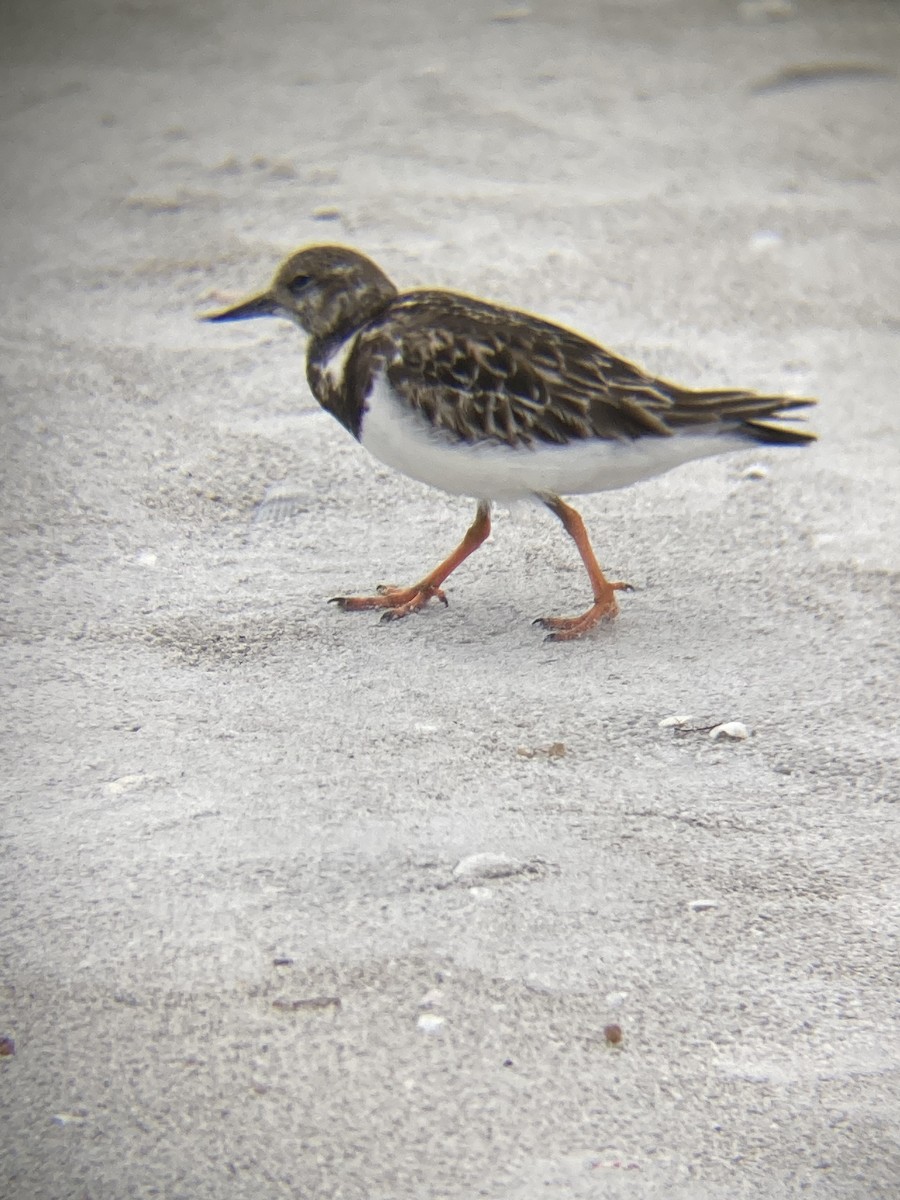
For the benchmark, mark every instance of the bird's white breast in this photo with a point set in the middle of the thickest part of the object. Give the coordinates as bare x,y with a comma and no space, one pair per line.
403,439
333,368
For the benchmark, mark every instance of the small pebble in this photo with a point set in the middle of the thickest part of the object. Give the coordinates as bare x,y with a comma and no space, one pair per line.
702,905
554,750
431,1023
733,731
481,893
755,471
228,166
307,1004
7,1047
282,168
613,1035
674,722
487,866
508,15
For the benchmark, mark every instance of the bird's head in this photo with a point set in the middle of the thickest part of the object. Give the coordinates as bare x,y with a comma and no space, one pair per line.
323,289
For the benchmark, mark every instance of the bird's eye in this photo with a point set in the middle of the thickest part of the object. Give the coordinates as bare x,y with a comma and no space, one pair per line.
299,283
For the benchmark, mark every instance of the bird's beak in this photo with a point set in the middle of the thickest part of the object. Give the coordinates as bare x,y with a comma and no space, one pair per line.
258,306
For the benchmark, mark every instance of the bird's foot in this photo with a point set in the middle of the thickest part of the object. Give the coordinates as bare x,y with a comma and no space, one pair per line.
397,602
567,629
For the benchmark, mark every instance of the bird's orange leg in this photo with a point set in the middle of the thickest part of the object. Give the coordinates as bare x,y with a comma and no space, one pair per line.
566,629
400,602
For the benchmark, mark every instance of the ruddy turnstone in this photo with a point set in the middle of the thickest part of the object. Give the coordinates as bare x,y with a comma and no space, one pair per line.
485,401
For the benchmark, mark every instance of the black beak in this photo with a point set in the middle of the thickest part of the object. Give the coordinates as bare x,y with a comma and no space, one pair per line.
258,306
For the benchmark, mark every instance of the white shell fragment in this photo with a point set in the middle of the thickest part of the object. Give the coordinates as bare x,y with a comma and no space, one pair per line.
124,783
431,1023
765,239
674,722
732,731
702,905
282,502
476,867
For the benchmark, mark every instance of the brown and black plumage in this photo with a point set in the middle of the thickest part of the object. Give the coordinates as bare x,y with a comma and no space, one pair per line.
487,401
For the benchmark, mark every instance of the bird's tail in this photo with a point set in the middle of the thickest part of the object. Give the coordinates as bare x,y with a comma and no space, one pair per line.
772,434
759,418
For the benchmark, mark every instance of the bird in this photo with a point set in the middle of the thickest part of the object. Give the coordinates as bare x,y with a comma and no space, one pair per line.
490,402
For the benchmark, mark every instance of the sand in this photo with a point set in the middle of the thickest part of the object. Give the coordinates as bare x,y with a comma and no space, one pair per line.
249,950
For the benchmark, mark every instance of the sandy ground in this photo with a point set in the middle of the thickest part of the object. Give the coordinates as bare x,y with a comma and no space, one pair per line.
237,961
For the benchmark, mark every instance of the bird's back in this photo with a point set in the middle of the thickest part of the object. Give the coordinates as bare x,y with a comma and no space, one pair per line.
482,371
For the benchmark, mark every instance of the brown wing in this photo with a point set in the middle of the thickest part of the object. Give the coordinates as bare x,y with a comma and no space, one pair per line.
485,372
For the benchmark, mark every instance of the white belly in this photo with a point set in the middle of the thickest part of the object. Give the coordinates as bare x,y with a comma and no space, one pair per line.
406,441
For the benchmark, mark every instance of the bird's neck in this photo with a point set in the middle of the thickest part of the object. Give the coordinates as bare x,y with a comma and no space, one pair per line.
336,379
333,385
